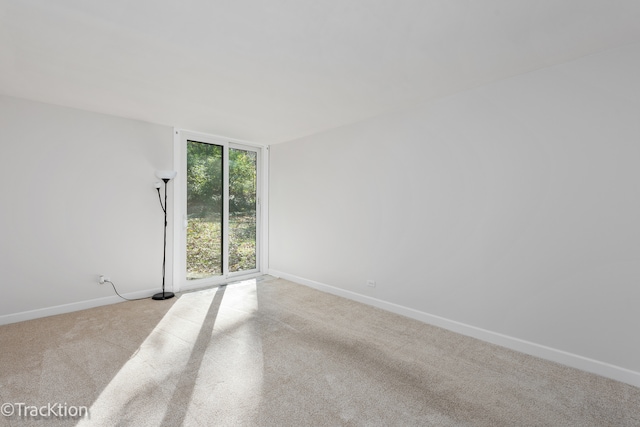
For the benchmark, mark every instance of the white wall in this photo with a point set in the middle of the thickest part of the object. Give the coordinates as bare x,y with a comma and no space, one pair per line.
78,200
513,207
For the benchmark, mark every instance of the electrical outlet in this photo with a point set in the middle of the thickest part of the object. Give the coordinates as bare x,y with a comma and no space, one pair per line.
103,279
371,283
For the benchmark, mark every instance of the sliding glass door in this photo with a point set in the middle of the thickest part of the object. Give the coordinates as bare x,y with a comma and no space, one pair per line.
243,209
205,193
220,212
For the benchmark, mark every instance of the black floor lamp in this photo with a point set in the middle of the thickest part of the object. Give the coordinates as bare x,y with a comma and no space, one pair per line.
166,176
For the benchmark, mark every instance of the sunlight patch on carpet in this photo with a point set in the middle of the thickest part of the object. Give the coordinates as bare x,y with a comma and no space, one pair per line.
205,344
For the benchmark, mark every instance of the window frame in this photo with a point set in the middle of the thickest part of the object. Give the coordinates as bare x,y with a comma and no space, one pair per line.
179,251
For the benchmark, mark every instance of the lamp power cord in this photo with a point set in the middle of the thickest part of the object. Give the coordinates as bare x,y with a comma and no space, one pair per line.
117,293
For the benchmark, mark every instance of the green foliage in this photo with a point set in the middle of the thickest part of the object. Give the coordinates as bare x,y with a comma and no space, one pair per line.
205,204
242,242
204,179
242,181
204,247
205,185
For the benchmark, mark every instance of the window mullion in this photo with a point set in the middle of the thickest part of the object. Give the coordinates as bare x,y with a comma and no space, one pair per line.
225,210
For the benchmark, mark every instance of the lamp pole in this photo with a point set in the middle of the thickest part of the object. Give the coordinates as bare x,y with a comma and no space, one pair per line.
166,176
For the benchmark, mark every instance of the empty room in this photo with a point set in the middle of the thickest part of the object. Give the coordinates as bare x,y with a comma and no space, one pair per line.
322,213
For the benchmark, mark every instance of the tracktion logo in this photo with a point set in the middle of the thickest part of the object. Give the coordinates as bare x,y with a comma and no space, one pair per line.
50,410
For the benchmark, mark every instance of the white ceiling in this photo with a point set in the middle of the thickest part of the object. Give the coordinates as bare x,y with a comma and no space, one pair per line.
270,71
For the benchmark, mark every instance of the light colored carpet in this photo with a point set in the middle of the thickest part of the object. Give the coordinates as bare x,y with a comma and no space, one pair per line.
268,352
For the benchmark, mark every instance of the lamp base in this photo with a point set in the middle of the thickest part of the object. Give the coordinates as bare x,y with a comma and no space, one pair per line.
163,295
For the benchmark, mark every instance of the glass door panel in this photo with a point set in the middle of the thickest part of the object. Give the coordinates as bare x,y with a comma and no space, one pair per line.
205,206
243,198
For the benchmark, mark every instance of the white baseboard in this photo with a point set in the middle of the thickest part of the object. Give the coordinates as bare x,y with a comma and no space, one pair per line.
68,308
83,305
559,356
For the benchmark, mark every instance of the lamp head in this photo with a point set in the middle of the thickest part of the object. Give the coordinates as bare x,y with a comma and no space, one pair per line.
158,185
166,175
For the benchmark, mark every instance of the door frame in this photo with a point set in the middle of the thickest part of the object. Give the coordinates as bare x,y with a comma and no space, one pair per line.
179,250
